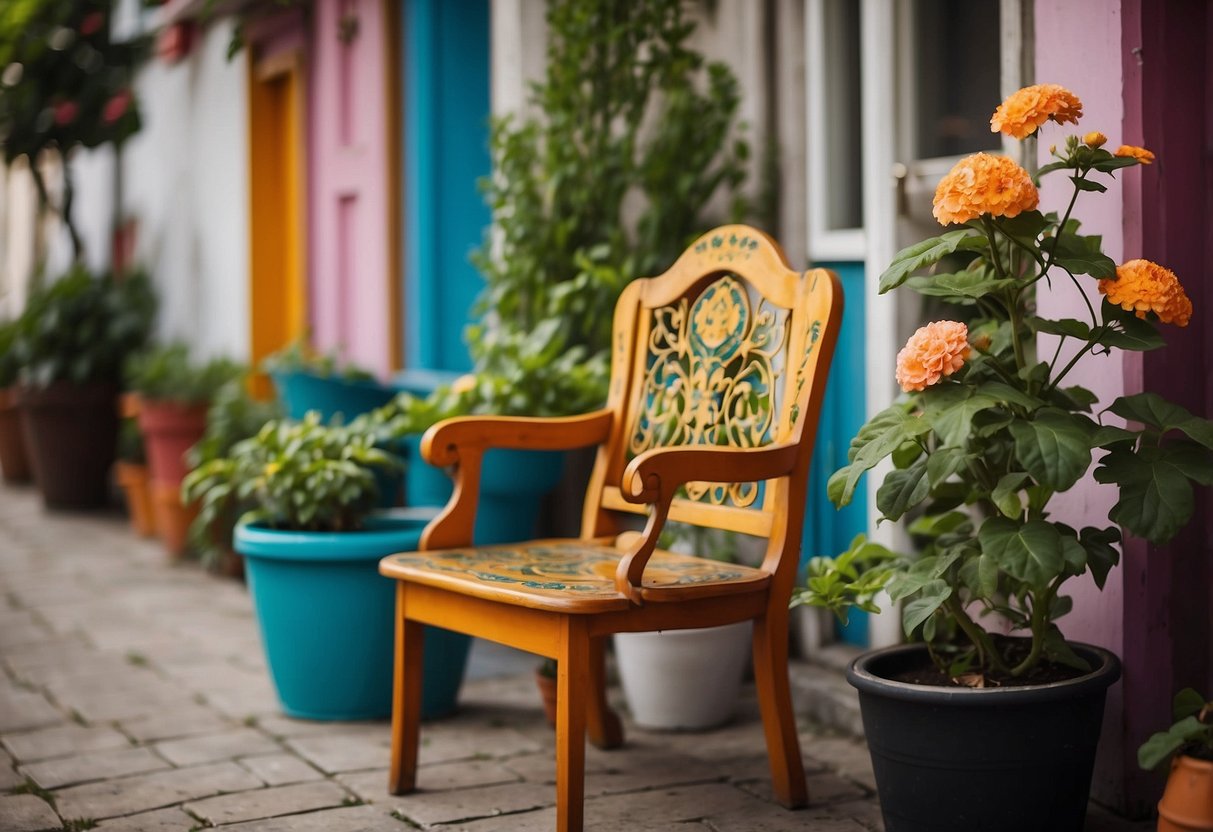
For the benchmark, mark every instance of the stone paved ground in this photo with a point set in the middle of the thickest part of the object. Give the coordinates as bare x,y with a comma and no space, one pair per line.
134,697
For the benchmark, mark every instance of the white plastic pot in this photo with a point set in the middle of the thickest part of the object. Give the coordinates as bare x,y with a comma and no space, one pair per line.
683,679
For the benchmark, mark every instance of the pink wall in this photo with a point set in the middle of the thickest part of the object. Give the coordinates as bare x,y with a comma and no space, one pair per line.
1081,50
350,233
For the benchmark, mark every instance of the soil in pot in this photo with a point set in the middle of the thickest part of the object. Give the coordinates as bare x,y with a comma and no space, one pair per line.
998,759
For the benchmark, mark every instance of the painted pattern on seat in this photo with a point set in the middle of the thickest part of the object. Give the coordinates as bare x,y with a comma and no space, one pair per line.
559,567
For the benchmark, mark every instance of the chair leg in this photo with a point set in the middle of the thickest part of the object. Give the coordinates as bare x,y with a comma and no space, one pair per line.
406,700
775,702
602,723
572,679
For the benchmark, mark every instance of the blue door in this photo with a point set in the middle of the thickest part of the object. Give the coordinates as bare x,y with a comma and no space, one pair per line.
446,151
829,531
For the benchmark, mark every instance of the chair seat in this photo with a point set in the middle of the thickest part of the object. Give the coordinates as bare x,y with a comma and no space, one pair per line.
568,575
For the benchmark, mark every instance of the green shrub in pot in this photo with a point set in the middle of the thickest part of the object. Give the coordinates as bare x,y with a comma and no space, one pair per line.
166,373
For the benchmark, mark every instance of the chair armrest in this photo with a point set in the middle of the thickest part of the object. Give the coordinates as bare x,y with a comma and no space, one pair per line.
446,442
462,441
655,476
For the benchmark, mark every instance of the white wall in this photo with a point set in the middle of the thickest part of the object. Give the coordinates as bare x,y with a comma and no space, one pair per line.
185,180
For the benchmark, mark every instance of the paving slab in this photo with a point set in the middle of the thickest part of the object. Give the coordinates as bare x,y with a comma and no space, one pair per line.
159,820
27,813
22,710
128,795
349,819
428,808
186,720
208,748
62,740
96,765
281,769
269,803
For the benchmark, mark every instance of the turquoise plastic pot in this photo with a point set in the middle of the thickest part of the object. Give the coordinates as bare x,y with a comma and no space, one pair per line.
301,392
512,483
326,619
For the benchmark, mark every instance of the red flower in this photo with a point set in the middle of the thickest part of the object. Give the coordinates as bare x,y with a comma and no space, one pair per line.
92,23
116,107
66,112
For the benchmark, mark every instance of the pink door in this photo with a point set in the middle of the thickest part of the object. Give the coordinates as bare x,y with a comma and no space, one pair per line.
352,273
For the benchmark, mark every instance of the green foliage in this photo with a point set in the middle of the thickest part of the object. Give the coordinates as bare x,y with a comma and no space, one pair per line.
233,416
629,114
130,442
295,475
978,455
65,83
1192,733
165,373
297,357
9,366
82,328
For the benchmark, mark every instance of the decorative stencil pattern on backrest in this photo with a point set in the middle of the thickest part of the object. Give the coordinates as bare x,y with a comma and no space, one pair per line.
714,375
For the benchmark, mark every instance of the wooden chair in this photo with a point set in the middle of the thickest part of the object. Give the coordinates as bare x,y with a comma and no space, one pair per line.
717,375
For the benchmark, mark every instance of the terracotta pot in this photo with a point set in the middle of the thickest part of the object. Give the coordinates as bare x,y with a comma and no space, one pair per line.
547,694
1187,802
71,432
173,518
14,460
132,478
169,430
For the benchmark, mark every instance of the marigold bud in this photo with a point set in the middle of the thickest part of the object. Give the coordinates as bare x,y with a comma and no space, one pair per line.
1095,139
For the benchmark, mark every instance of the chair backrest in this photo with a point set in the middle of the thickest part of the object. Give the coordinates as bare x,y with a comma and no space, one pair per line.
729,347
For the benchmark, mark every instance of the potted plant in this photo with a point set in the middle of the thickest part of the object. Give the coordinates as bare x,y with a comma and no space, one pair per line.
1187,802
686,679
72,340
312,544
308,381
130,472
970,727
14,461
174,394
233,416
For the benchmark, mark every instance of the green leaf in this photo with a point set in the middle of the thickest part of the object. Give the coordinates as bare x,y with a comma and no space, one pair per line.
944,463
1025,226
1155,492
1165,743
926,253
902,490
923,607
950,409
1088,185
1128,331
1107,435
1187,703
1114,163
987,576
1006,495
1102,555
961,285
1058,650
1065,326
1153,410
1054,447
1030,552
1082,255
875,440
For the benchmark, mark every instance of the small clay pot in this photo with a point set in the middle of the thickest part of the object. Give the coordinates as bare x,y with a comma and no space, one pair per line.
169,430
173,518
1187,802
133,479
71,432
14,459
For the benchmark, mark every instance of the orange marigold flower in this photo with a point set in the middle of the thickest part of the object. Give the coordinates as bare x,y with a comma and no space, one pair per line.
934,351
1142,155
984,184
1024,111
1095,139
1141,286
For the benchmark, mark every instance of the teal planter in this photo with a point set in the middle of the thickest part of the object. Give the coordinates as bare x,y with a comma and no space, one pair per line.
512,483
301,392
326,619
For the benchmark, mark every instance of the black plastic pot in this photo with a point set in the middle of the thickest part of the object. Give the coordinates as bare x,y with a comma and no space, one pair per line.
72,432
1005,759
